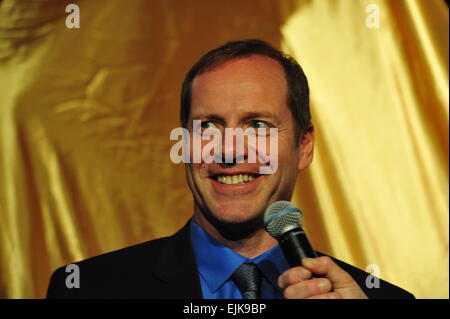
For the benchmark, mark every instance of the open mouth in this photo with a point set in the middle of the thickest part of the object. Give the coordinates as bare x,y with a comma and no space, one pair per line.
235,179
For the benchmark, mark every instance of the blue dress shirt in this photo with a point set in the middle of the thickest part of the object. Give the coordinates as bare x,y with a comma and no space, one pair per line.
216,263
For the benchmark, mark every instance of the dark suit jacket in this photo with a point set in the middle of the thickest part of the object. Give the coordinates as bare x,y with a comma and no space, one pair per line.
163,268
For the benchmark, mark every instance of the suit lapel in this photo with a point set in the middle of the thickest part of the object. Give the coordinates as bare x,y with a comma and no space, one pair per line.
176,268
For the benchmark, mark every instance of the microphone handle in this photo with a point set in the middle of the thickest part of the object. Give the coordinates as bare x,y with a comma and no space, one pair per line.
296,246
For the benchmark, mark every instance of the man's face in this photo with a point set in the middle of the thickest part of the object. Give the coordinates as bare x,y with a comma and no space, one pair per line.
243,93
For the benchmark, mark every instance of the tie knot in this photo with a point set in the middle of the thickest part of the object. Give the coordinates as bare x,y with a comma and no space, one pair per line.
248,279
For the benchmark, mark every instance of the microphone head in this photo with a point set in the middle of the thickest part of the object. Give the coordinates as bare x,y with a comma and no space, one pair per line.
281,217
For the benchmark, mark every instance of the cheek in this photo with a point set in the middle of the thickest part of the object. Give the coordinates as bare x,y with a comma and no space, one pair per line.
194,181
286,154
198,172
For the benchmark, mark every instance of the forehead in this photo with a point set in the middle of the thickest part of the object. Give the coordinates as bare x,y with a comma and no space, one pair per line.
254,83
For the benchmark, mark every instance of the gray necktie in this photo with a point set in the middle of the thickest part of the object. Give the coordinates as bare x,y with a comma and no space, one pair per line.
248,279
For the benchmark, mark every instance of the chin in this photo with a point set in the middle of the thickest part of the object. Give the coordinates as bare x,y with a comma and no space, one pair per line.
235,212
234,221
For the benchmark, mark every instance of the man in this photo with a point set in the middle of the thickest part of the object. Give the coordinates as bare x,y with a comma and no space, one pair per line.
224,250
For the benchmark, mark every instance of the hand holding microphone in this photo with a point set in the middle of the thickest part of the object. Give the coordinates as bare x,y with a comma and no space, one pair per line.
310,276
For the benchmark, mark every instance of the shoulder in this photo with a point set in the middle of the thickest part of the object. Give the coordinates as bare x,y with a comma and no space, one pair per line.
373,287
122,273
122,257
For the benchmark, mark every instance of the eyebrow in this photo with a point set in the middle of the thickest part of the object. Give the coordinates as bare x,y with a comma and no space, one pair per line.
245,117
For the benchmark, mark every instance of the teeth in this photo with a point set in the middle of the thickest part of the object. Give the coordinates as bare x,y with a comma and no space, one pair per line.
235,179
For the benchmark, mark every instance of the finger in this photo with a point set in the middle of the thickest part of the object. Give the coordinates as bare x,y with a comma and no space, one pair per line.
307,288
326,266
292,276
328,295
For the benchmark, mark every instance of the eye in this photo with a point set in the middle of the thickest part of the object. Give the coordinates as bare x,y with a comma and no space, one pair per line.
208,124
260,124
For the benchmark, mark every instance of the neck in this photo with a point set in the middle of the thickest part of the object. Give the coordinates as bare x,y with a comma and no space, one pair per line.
255,244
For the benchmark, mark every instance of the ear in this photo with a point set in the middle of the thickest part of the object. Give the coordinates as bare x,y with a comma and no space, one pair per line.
306,149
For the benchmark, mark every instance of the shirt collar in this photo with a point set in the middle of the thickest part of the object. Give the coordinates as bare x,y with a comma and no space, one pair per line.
217,262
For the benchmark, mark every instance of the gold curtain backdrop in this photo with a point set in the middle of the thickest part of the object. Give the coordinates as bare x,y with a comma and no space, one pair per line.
86,113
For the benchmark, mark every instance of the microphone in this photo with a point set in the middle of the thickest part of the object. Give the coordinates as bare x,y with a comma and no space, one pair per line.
284,222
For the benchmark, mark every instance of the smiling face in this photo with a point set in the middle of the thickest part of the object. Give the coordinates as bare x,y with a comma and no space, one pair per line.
242,93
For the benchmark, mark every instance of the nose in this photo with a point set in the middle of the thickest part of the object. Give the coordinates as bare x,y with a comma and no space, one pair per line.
234,147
